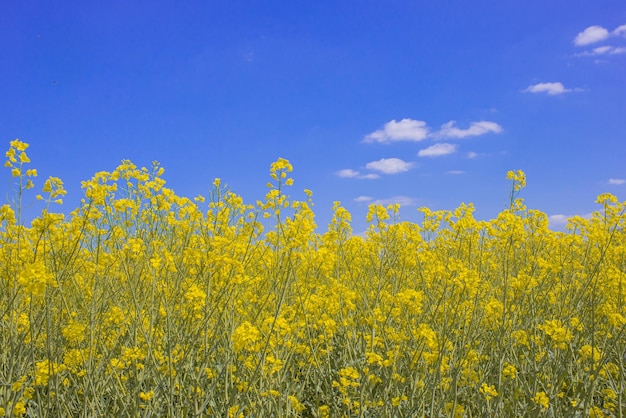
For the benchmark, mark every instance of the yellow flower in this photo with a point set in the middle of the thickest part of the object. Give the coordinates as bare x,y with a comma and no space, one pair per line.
146,396
349,372
588,352
10,154
541,399
398,399
295,403
490,392
34,278
518,177
74,359
17,386
45,370
596,412
74,332
557,332
18,145
19,409
245,336
323,411
509,371
28,393
233,412
280,165
459,411
374,358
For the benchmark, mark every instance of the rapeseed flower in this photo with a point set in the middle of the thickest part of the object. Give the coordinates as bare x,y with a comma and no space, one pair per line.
224,313
541,399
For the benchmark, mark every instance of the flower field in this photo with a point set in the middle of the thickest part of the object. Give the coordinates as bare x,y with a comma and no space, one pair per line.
144,303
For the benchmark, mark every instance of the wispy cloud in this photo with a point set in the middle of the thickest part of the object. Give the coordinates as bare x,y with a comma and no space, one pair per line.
404,130
603,50
448,130
456,172
348,173
551,89
472,154
619,31
401,200
437,150
559,221
617,182
384,165
591,35
390,165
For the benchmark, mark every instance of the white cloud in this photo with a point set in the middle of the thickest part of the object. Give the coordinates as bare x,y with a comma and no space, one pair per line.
550,88
472,154
402,200
456,172
591,35
619,31
417,130
603,50
404,130
448,130
618,50
362,199
437,150
595,34
390,165
617,181
348,173
558,220
370,176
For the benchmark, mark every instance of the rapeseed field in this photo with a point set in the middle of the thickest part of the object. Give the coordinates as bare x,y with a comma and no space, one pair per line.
142,303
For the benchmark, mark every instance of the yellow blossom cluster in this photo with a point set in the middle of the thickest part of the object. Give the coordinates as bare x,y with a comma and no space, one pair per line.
141,302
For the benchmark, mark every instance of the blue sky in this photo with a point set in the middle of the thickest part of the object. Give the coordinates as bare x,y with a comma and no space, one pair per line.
422,103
